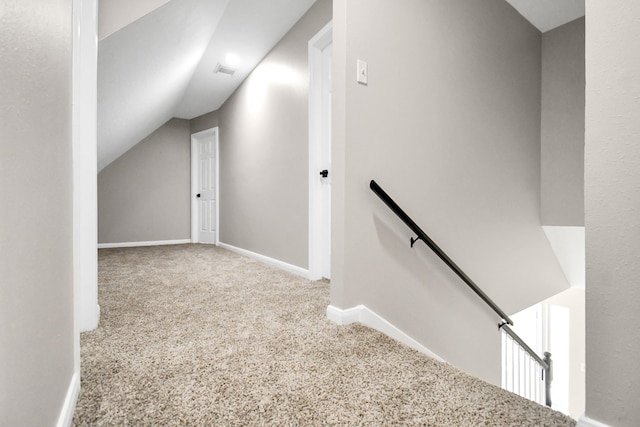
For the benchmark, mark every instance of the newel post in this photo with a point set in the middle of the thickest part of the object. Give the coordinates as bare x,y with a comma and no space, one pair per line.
548,377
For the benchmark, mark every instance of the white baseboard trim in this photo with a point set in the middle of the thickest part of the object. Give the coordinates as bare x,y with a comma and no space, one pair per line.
585,421
136,244
344,317
367,317
69,405
271,261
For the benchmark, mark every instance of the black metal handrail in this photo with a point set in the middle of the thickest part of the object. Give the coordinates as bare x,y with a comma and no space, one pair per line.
435,248
546,363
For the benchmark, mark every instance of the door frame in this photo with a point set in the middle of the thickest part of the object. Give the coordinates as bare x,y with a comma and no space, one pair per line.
86,311
316,45
195,218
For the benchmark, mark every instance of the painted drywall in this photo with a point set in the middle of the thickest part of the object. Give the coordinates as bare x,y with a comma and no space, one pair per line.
162,64
249,29
264,150
449,126
116,14
568,245
204,122
612,209
145,68
549,14
36,212
144,195
562,125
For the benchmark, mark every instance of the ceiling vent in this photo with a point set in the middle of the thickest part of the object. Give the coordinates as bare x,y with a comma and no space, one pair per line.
221,69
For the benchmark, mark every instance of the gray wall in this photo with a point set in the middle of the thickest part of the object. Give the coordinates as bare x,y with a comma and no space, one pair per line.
612,210
562,130
204,122
264,193
144,195
449,125
36,260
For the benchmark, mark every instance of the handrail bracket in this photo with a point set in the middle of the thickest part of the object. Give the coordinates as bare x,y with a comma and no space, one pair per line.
435,248
546,364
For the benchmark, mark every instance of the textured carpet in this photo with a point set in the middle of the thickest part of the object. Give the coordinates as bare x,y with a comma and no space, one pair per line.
196,335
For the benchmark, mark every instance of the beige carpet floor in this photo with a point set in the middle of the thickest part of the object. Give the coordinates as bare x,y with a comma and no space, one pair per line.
194,335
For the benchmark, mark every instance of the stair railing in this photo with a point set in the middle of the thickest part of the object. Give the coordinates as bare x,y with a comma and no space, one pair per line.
524,372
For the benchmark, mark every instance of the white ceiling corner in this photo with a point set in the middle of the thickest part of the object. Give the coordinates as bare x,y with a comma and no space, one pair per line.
546,15
117,14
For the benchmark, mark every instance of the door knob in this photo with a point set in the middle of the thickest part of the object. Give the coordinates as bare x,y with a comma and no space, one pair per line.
324,173
198,195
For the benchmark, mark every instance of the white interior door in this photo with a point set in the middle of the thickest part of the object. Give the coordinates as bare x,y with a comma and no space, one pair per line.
325,164
204,148
320,55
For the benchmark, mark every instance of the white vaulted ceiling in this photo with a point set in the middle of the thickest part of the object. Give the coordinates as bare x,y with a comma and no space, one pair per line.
162,64
156,60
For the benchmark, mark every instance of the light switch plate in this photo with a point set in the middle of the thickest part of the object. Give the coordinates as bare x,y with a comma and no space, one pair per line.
363,72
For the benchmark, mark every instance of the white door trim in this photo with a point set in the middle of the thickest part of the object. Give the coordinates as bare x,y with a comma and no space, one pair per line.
86,311
194,181
85,175
316,45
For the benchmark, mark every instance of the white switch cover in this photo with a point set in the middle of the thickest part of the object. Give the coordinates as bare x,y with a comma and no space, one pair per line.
363,72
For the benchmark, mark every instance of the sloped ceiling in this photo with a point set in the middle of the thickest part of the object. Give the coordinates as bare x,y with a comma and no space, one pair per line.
117,14
162,65
546,15
156,60
249,28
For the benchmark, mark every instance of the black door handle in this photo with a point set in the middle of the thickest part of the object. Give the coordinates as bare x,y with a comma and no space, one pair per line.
198,195
324,173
